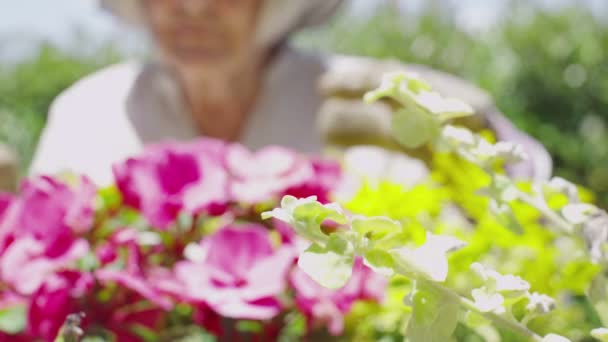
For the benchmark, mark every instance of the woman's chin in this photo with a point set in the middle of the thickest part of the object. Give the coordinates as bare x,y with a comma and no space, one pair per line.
200,56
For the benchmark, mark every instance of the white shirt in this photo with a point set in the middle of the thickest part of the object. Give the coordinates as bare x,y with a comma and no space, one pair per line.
111,114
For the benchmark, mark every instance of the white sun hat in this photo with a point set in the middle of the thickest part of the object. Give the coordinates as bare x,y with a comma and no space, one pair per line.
278,18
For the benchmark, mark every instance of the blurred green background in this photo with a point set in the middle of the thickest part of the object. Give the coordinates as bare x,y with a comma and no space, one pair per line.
547,71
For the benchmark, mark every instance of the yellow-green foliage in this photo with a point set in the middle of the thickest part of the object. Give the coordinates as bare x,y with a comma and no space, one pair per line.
447,203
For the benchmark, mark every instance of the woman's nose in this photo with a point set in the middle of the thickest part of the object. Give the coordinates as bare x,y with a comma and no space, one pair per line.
195,7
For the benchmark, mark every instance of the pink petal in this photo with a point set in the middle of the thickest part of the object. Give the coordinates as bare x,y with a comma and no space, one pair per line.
262,283
235,249
25,266
268,162
135,283
263,309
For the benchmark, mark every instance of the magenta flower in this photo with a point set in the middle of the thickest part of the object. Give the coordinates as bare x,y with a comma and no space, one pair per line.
326,177
49,211
173,177
54,301
136,283
5,202
323,306
39,231
238,274
122,322
25,264
266,174
133,276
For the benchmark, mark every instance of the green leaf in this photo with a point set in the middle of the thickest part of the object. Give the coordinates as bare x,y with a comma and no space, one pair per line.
375,228
288,205
413,127
332,265
429,260
506,217
88,262
474,320
294,327
380,261
306,216
109,197
13,319
388,88
417,85
434,316
601,334
317,212
187,334
249,326
93,339
598,296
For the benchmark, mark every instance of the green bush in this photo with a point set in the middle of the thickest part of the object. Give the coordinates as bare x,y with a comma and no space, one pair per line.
545,70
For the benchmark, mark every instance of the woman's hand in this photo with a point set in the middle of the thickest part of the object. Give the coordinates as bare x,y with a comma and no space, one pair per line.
345,120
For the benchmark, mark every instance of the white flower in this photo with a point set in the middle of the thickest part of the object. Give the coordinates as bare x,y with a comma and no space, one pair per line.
578,213
540,303
409,88
288,205
555,338
595,231
510,152
455,137
565,187
149,239
195,252
601,334
437,104
488,302
428,260
505,284
483,150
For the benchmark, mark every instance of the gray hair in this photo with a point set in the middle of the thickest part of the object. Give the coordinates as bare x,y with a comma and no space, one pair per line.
278,18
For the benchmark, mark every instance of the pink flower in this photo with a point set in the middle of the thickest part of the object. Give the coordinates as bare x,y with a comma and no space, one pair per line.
39,231
173,177
328,307
5,202
266,174
133,276
54,301
49,211
239,274
26,264
136,283
122,321
327,175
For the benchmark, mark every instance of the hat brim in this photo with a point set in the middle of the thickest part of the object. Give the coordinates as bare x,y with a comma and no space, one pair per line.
278,18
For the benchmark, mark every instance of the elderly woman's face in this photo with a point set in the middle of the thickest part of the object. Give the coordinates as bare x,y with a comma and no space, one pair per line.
209,32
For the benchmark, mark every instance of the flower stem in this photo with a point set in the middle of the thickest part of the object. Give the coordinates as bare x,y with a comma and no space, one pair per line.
559,222
498,320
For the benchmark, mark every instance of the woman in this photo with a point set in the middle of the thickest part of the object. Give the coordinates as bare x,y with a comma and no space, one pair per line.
224,71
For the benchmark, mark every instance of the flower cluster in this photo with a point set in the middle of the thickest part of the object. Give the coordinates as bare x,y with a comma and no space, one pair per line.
422,118
209,237
177,243
205,176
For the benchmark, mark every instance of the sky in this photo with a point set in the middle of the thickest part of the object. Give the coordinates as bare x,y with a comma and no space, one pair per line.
25,22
